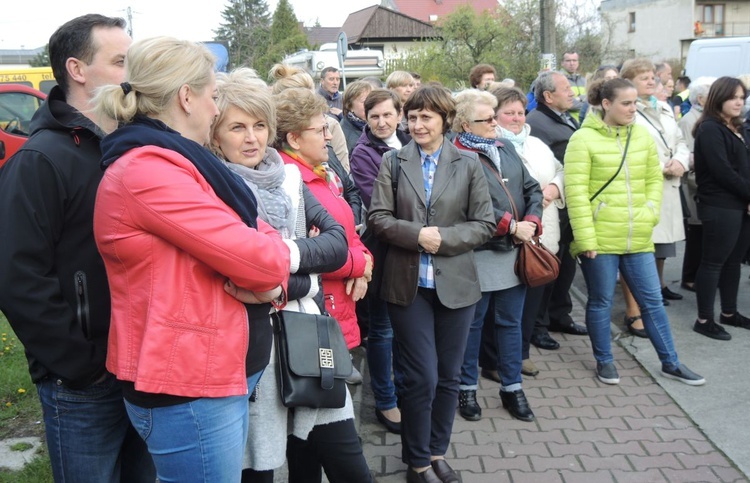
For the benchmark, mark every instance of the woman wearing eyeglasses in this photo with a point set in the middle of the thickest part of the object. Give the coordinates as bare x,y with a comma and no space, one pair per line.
517,204
302,140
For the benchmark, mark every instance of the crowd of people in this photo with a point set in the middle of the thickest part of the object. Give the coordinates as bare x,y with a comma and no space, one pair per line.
164,214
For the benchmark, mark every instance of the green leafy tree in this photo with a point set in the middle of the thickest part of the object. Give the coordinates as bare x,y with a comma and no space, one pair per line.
286,36
246,28
508,39
41,59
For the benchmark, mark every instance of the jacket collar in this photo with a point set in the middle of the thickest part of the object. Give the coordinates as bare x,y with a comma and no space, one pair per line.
547,111
377,143
411,166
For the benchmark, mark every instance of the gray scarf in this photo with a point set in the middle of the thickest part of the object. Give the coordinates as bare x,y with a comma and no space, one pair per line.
265,180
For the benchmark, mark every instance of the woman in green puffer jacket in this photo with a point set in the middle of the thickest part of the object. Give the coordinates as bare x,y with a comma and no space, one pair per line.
613,186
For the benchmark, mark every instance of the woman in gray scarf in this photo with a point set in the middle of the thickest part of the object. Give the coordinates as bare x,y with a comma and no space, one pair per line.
241,135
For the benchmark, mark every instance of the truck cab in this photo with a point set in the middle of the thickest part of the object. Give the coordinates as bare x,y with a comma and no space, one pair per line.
358,63
18,103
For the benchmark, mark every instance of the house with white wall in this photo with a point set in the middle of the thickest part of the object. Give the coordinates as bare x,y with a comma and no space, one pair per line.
664,29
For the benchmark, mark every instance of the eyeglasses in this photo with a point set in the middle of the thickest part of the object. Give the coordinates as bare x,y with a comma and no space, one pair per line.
489,120
324,131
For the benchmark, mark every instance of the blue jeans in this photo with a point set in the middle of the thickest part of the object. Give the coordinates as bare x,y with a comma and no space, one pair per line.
639,271
508,307
199,441
382,354
89,436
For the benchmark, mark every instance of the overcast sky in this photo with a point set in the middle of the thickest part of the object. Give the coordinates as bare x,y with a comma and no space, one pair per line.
30,25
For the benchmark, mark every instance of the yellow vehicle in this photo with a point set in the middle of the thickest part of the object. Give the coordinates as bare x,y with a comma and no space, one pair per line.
40,78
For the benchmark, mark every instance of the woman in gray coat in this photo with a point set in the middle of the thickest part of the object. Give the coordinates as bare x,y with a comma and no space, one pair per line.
441,211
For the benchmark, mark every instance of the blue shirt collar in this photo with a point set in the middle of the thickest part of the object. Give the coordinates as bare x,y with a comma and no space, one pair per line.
434,155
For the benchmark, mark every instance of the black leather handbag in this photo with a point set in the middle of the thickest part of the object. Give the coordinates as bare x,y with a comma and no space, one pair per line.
313,360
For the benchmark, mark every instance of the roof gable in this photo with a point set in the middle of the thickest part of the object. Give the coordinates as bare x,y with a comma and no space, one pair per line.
378,22
425,9
322,35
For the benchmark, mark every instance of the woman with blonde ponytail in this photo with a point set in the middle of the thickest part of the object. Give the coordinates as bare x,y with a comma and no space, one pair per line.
179,234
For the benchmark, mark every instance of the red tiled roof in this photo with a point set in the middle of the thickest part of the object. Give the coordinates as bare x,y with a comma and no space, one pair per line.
423,9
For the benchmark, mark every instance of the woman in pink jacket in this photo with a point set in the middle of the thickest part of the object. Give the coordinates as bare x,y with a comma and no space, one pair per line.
302,137
174,228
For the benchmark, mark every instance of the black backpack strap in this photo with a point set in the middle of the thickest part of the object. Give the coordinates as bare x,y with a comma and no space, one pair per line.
395,172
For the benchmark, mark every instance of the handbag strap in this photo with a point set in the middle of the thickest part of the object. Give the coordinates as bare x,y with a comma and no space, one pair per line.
502,184
666,144
622,162
325,354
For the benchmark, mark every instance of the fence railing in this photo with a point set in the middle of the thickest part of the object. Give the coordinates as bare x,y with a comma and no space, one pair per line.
727,29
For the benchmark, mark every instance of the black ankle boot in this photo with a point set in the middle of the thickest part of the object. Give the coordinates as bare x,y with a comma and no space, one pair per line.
517,405
468,406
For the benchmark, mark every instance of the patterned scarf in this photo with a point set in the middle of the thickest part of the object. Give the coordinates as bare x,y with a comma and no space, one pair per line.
485,145
265,180
518,140
321,171
358,123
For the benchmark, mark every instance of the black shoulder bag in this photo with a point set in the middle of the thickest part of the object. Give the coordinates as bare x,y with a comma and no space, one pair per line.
313,359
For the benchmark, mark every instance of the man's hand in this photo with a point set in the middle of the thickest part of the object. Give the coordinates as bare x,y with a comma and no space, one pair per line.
335,111
429,239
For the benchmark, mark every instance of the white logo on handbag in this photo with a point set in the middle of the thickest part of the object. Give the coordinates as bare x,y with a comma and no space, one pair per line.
326,358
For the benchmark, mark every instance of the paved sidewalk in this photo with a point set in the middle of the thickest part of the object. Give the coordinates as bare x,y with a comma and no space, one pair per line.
585,430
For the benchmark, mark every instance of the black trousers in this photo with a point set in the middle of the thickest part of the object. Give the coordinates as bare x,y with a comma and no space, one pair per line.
560,304
534,310
726,238
431,340
693,251
335,447
488,345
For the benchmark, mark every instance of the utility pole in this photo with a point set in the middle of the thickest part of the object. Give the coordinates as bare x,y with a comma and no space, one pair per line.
129,13
548,42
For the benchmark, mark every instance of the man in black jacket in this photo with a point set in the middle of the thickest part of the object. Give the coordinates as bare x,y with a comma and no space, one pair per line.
551,123
53,286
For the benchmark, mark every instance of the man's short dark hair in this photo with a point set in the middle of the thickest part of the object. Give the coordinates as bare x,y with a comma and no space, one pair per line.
324,72
74,39
572,52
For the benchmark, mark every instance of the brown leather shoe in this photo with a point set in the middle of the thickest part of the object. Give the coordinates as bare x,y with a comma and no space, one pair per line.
528,368
428,476
491,374
444,471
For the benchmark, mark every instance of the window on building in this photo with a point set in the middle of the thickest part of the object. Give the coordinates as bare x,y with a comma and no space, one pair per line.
631,22
712,18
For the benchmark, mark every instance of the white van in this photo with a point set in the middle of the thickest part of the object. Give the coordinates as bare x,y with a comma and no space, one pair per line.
718,57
